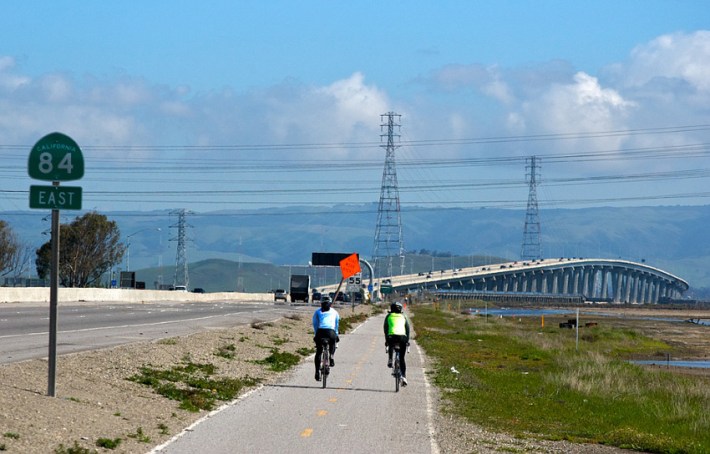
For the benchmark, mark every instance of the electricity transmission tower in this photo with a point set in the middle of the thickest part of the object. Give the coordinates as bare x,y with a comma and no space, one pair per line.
531,249
388,233
181,274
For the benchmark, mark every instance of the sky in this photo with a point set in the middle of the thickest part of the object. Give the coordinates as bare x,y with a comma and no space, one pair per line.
225,105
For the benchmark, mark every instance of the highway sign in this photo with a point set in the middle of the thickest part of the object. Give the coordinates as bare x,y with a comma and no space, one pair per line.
56,157
328,258
55,197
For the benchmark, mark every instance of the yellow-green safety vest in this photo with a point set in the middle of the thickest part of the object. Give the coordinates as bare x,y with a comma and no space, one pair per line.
396,325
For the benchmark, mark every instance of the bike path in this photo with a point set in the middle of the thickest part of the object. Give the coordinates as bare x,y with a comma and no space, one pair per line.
359,411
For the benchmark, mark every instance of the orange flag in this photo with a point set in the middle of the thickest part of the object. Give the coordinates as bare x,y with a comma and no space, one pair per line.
350,266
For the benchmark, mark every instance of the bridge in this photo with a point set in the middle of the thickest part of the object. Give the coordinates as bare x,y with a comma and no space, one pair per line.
617,281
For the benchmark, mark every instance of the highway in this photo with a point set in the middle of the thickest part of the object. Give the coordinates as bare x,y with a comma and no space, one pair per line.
24,327
359,412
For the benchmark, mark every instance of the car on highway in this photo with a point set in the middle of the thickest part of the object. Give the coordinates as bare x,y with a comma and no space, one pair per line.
280,295
316,296
180,288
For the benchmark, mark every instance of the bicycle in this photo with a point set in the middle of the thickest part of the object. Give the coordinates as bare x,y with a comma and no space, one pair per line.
325,361
396,372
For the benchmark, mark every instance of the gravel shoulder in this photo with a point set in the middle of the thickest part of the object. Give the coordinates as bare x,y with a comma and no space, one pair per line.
95,400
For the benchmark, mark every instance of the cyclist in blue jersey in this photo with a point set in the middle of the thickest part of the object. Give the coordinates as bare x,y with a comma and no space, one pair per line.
397,332
325,324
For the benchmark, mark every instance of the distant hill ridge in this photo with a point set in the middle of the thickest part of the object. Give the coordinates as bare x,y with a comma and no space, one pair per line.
673,238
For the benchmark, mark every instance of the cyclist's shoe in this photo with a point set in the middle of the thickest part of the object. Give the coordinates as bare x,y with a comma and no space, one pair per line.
332,361
317,375
404,381
389,363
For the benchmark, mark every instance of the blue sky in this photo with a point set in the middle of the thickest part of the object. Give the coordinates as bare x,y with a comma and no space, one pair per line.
244,104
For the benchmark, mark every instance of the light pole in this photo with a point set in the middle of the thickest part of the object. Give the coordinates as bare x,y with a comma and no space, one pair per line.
128,244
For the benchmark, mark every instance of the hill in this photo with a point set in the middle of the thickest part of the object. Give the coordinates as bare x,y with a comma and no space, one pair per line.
669,237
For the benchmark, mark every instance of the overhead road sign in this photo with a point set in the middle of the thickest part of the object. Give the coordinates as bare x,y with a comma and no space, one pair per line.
329,258
55,197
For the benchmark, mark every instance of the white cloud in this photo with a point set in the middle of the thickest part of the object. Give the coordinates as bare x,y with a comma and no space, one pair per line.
8,80
488,80
680,56
582,105
355,102
56,88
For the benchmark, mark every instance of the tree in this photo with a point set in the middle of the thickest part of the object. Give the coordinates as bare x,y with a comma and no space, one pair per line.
88,248
9,249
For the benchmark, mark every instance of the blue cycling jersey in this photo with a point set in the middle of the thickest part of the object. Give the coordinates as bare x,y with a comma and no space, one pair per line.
329,319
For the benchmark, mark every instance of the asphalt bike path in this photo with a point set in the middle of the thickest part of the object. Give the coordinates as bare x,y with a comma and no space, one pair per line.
359,411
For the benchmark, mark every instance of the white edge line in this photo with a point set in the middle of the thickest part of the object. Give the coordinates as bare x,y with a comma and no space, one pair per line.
157,449
429,405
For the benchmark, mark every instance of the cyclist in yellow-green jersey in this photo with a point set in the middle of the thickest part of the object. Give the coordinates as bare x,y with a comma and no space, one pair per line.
397,332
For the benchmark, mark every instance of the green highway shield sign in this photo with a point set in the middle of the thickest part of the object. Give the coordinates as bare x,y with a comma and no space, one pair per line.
56,157
55,197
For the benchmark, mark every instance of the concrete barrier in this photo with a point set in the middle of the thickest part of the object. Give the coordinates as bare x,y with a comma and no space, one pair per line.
115,295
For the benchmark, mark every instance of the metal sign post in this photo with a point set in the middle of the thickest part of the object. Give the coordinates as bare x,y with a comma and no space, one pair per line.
55,157
53,298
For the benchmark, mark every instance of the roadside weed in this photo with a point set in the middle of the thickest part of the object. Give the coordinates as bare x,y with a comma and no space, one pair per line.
108,443
279,361
192,384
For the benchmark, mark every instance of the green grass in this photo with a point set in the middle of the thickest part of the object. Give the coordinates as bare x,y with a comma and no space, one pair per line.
140,436
514,376
108,443
277,340
347,323
164,430
226,351
74,449
305,351
191,384
280,361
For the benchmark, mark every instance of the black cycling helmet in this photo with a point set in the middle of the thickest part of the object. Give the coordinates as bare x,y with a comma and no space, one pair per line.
396,307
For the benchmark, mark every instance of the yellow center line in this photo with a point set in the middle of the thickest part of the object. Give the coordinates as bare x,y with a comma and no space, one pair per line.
322,412
307,433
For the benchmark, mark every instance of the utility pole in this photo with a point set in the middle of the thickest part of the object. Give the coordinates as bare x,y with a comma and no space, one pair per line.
388,232
181,273
531,249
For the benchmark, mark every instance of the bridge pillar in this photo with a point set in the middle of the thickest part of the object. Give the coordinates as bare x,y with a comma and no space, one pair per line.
619,275
638,288
630,281
588,282
567,281
555,282
576,272
605,283
656,290
643,289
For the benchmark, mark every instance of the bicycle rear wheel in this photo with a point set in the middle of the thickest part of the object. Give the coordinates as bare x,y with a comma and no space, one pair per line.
325,364
396,372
